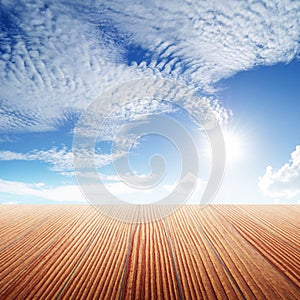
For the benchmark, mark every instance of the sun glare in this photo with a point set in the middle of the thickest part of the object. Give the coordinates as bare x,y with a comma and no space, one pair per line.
234,147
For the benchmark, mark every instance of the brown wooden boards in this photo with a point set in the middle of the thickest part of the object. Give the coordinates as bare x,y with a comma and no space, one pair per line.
215,252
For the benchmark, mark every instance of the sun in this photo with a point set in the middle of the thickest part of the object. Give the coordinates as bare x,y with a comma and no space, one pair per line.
234,147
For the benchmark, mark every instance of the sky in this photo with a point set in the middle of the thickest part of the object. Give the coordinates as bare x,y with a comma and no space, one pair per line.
66,67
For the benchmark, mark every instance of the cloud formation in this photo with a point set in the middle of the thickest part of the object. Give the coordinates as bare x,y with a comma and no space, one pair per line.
205,41
71,193
60,160
284,182
65,193
52,64
55,58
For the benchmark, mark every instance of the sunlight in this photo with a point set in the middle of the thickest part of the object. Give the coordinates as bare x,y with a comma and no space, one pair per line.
234,147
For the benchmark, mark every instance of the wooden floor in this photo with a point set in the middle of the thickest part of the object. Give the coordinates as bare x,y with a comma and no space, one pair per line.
215,252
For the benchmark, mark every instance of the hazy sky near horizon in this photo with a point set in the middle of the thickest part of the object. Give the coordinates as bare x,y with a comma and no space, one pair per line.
240,57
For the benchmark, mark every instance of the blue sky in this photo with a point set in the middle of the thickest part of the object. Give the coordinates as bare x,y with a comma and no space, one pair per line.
241,59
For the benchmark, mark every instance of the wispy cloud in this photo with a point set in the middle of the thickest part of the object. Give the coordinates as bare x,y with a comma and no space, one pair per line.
284,182
52,62
209,40
57,57
60,160
10,202
65,193
72,193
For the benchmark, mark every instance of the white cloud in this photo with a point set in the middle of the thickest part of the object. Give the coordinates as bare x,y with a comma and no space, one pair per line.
196,193
10,202
53,63
72,193
276,201
210,40
284,182
56,58
60,160
113,116
60,193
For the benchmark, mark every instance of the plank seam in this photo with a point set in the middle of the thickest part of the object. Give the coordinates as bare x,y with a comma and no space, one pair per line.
173,261
79,261
128,254
259,252
216,254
